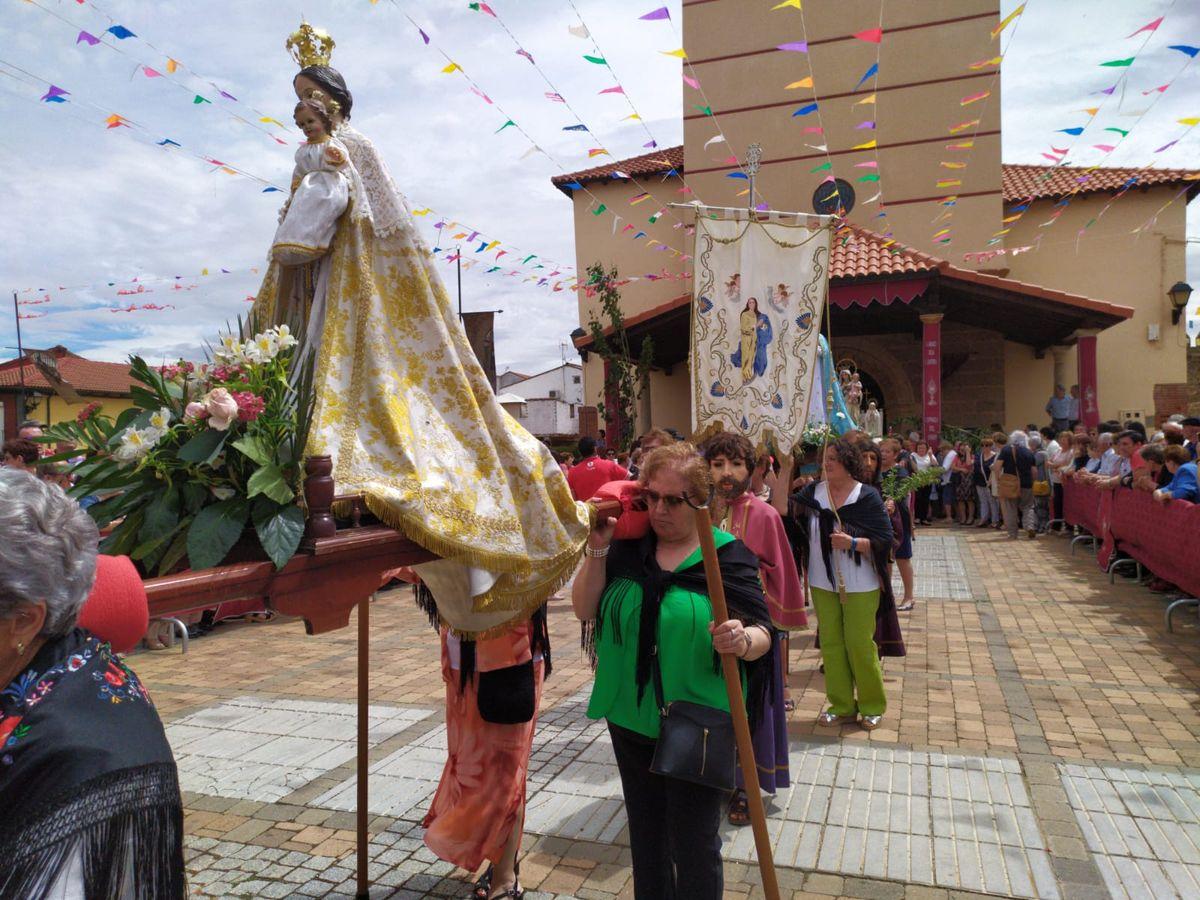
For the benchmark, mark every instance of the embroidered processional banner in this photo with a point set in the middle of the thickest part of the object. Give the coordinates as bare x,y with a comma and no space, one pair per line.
759,293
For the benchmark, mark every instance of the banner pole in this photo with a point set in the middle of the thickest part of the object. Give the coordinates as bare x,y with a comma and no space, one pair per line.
737,708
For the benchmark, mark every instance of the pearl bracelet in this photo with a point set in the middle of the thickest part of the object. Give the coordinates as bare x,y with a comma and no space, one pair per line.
595,554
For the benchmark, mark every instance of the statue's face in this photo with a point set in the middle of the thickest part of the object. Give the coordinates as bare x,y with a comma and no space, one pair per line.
304,87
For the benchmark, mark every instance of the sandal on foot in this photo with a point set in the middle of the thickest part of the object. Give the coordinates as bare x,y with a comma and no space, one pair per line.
739,809
483,885
516,892
906,607
789,705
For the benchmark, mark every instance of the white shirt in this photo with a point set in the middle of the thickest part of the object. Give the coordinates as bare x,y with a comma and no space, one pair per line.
858,577
921,463
948,464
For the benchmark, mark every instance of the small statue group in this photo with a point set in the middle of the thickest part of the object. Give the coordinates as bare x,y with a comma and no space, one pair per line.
869,419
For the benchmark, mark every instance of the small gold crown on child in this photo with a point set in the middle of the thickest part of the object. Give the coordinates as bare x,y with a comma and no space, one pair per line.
310,46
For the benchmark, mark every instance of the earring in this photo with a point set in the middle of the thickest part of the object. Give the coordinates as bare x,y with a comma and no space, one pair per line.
20,648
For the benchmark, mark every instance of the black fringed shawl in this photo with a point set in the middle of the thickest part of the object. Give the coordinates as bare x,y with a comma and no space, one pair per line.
636,560
539,639
87,779
867,518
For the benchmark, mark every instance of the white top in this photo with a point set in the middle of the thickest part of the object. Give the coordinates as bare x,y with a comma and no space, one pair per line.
923,462
858,577
948,464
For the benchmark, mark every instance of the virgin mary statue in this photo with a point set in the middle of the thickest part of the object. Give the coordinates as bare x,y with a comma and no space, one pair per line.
403,407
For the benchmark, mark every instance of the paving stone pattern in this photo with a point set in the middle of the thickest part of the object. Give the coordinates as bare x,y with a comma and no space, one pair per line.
1042,739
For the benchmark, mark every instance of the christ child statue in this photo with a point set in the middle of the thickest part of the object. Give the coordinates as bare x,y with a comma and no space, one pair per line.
320,188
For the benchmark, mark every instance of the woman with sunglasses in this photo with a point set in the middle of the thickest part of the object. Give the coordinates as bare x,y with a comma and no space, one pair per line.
647,603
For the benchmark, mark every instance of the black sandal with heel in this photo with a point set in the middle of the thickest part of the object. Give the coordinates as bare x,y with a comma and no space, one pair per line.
483,885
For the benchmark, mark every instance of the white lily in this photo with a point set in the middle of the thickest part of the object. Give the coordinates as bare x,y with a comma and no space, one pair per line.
136,443
161,420
284,338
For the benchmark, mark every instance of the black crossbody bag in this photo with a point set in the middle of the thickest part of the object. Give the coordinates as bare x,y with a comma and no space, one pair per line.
695,742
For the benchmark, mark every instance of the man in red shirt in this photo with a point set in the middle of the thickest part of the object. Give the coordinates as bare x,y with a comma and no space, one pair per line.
587,475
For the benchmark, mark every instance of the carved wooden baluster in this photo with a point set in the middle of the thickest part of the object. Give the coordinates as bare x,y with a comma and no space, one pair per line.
318,493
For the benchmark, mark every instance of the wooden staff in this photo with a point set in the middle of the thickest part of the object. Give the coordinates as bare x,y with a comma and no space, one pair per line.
364,726
737,708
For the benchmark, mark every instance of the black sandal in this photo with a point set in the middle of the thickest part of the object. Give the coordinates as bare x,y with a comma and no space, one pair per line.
483,885
516,892
739,808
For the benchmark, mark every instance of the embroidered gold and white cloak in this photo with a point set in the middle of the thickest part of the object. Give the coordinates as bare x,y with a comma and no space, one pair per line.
411,422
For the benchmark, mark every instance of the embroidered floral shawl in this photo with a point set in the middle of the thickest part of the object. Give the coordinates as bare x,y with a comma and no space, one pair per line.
89,792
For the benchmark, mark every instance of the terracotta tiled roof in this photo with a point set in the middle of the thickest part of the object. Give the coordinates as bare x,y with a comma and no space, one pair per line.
1017,181
862,254
84,375
653,163
1037,182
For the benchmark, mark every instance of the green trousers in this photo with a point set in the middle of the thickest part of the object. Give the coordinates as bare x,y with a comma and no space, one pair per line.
848,651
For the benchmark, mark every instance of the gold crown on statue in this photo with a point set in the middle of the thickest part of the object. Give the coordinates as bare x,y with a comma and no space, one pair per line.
310,46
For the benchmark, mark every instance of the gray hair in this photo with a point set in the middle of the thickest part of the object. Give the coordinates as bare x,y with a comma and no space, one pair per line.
1034,440
48,554
1019,439
1105,439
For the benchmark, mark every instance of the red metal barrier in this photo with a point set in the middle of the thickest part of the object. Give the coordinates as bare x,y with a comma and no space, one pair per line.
1163,538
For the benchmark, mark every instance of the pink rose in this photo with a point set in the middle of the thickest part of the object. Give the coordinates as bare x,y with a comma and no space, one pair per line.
195,411
221,407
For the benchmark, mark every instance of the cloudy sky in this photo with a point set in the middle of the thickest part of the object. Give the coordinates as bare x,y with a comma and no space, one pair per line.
85,204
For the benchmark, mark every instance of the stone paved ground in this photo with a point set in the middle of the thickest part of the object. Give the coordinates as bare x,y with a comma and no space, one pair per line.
1042,740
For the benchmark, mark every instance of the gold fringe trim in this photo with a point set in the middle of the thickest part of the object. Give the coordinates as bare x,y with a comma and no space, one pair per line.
468,554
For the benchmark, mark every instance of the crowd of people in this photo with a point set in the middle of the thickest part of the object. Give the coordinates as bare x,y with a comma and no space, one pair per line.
823,538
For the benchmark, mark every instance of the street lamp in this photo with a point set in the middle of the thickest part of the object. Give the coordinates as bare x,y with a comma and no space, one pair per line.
1179,295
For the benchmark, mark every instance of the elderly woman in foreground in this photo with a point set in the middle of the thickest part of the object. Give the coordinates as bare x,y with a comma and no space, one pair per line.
89,793
656,646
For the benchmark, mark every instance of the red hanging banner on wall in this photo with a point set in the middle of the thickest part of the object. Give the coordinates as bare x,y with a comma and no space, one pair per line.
1089,400
931,377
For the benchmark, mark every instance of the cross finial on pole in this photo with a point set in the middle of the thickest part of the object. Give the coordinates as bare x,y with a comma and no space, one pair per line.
753,158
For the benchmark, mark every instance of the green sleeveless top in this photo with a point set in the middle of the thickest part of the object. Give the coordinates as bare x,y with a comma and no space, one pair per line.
684,647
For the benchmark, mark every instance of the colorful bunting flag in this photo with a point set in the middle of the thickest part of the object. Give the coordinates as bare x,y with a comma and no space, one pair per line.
580,31
656,15
794,46
679,54
1118,63
1184,48
197,100
580,127
172,65
151,73
1007,21
451,67
806,82
554,98
509,124
592,154
870,99
953,165
794,4
115,121
736,175
869,145
424,36
1077,130
482,7
874,70
691,82
120,32
613,90
703,110
601,208
974,98
869,126
90,39
167,142
1121,131
55,95
714,140
963,145
1107,148
962,126
823,167
870,176
525,53
596,60
805,110
1151,26
871,35
984,63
